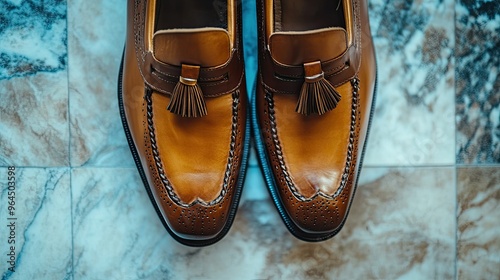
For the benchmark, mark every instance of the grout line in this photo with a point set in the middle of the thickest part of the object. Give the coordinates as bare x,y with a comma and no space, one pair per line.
72,223
411,166
69,143
455,131
72,167
457,166
456,221
68,86
475,165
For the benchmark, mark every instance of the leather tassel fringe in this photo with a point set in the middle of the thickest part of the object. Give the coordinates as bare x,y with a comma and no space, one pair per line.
187,101
317,95
187,98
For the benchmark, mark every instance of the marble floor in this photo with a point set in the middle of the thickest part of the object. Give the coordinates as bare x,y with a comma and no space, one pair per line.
428,202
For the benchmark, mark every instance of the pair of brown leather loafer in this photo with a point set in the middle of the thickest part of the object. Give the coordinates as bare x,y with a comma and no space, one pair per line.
183,103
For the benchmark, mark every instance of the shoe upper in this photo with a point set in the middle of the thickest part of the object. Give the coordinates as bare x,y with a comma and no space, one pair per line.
314,100
184,100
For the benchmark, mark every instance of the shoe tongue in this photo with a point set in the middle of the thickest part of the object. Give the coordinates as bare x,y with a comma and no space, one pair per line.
206,47
298,47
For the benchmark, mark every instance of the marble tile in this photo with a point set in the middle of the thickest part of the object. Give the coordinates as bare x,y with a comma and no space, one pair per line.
34,120
478,227
414,120
478,82
94,54
252,160
254,187
33,84
402,225
42,224
116,231
250,42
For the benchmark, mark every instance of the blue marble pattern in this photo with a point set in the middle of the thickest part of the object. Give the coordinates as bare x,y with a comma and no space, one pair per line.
33,37
478,81
418,213
414,41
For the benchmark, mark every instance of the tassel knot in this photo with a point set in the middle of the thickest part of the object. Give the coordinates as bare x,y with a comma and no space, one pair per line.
317,95
187,97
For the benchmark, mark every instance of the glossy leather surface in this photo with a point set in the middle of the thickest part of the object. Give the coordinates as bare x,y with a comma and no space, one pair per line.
191,166
315,160
321,44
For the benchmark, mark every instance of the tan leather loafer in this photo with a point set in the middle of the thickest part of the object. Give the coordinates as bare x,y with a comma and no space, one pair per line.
183,102
313,105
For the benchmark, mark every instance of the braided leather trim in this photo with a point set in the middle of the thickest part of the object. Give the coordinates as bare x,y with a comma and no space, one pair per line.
139,19
350,147
159,166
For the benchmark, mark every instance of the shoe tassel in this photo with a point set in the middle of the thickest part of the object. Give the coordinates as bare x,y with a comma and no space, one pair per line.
317,95
187,98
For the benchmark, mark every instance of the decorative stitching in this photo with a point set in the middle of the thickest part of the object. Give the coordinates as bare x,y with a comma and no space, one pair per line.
206,81
159,166
350,147
218,78
163,79
156,71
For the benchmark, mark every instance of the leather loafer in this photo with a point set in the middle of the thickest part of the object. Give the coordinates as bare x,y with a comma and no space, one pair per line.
183,105
312,108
